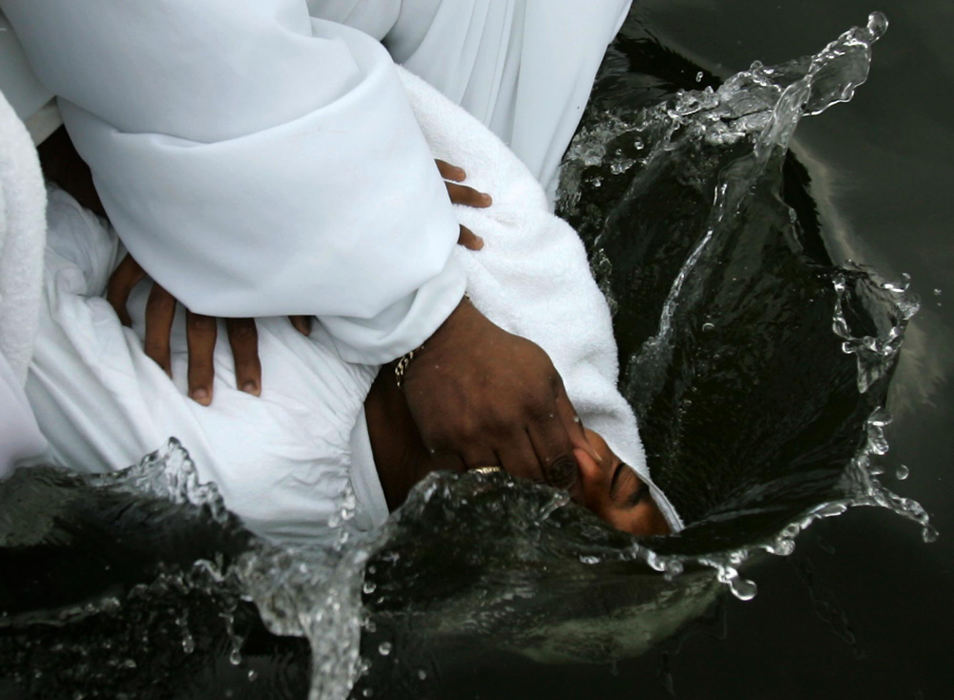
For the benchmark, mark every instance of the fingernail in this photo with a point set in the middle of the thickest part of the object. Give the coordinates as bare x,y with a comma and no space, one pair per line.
479,242
201,396
486,199
250,387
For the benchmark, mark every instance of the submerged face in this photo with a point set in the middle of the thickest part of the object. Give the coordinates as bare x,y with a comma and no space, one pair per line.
614,491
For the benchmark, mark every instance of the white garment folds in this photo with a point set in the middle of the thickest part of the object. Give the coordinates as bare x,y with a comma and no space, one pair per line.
283,461
257,160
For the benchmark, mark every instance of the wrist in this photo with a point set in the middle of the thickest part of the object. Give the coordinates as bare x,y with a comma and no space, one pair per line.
401,364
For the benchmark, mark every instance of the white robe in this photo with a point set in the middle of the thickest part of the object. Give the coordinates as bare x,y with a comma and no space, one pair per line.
285,461
258,161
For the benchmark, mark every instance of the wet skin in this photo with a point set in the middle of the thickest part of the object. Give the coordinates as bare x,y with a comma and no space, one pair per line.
609,488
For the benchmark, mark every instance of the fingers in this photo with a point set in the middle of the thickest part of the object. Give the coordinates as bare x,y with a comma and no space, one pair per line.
450,172
469,239
572,423
480,456
554,452
302,324
518,458
468,196
126,276
554,436
160,311
447,462
200,336
243,337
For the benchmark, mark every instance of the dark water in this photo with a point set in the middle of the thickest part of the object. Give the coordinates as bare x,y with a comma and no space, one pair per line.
751,414
862,607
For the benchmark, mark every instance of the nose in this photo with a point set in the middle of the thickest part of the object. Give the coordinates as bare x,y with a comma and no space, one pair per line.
592,481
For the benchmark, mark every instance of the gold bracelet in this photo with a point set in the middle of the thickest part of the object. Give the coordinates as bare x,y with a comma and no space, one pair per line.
401,365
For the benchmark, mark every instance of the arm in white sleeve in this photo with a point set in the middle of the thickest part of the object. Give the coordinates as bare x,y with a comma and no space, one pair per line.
255,161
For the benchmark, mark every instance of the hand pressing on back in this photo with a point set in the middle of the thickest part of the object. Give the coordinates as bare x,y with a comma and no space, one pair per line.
202,331
201,334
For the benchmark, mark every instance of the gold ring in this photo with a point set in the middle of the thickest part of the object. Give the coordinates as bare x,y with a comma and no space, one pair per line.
488,469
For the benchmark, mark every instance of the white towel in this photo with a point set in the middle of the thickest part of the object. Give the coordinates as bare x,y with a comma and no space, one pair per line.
532,277
22,237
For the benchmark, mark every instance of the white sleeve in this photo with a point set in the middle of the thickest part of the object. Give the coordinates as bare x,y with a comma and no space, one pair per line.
256,161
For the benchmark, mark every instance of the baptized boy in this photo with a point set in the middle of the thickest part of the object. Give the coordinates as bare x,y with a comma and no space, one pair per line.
323,427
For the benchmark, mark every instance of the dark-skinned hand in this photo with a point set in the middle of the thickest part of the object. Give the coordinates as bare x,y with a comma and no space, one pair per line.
201,331
481,396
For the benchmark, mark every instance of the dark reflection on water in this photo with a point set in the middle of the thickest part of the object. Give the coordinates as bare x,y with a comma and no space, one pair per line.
750,411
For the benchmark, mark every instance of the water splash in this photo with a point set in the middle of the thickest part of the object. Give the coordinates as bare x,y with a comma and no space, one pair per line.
876,354
729,145
167,473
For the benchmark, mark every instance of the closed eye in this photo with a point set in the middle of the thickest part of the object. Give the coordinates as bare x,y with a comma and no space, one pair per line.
638,495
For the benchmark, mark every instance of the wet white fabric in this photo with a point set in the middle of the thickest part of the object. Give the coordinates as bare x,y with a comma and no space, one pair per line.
22,237
256,161
283,461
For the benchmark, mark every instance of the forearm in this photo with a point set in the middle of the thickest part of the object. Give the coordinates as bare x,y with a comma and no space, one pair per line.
285,178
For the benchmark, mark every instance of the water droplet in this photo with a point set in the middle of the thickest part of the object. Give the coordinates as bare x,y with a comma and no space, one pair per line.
367,692
129,663
235,656
743,588
699,76
937,292
638,145
707,326
783,547
369,587
422,674
252,675
902,473
589,559
877,25
384,648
